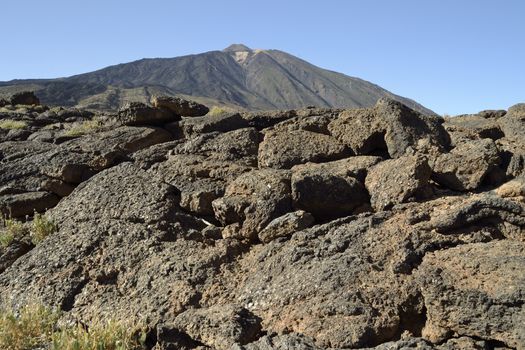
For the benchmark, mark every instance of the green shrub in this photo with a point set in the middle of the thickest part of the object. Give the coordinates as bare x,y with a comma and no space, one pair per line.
12,124
36,327
41,228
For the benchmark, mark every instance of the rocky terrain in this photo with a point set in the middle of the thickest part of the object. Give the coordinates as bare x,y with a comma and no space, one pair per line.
316,228
237,77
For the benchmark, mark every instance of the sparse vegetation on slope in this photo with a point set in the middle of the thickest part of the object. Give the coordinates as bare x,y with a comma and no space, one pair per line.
10,124
9,230
41,227
83,128
36,327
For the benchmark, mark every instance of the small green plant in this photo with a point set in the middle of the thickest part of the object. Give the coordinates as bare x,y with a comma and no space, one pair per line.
86,127
35,327
11,124
41,228
9,230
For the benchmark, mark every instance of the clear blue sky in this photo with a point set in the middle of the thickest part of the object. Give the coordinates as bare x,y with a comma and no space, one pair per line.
453,56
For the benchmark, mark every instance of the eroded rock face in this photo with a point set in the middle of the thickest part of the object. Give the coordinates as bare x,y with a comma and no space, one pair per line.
374,228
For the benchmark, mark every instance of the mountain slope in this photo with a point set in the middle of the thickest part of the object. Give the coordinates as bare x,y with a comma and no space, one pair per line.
236,76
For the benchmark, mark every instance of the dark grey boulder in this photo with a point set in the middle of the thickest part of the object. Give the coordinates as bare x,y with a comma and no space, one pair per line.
137,113
326,194
389,128
180,106
283,149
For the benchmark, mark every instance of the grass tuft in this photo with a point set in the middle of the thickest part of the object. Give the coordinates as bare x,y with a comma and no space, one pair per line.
10,124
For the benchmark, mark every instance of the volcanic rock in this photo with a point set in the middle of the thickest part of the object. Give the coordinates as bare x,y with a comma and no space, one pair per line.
137,113
179,106
398,181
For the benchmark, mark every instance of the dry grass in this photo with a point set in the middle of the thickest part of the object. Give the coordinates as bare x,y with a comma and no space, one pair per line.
84,128
9,230
10,124
35,327
41,228
216,110
31,327
110,335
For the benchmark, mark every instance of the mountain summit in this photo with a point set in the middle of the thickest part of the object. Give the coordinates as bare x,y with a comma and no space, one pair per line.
236,77
237,48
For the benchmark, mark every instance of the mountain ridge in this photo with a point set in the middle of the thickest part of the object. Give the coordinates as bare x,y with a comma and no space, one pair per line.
237,77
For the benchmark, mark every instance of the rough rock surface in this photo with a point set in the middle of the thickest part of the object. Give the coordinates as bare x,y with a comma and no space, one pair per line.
180,106
375,228
468,165
475,290
397,181
284,149
388,128
137,113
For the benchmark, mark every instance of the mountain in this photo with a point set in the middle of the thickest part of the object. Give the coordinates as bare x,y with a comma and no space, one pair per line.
236,77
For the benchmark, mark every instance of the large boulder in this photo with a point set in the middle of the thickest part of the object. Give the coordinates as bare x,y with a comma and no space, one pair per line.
389,128
130,236
398,181
283,149
475,290
180,106
222,123
513,123
199,178
468,165
137,113
254,199
239,145
472,126
326,194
